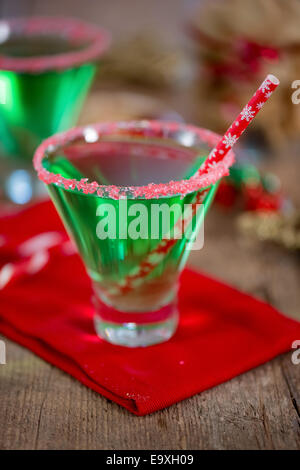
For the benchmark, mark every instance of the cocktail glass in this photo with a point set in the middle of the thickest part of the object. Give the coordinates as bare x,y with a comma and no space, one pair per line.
46,68
107,182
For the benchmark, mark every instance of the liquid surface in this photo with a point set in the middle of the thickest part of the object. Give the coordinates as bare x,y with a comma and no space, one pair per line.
35,46
125,164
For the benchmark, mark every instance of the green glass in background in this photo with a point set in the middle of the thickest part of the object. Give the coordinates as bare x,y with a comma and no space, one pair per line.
38,105
47,66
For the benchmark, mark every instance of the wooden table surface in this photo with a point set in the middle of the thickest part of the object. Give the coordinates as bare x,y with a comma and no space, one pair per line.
41,407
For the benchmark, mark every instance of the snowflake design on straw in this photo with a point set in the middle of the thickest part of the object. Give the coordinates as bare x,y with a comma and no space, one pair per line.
268,94
265,85
259,105
229,140
212,165
247,113
212,154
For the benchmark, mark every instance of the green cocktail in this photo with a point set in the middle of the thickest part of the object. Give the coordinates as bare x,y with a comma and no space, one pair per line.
123,190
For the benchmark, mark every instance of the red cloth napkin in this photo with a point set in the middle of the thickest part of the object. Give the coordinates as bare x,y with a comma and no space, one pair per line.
45,306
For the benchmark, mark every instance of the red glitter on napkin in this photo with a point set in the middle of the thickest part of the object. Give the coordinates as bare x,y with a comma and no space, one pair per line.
45,306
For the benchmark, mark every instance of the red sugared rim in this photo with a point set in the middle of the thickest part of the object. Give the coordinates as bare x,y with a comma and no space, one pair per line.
147,129
75,31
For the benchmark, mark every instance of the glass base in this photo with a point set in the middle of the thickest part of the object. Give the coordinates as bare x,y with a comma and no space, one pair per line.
136,329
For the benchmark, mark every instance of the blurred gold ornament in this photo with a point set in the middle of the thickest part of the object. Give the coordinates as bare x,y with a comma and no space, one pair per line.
142,60
238,42
268,22
117,105
272,227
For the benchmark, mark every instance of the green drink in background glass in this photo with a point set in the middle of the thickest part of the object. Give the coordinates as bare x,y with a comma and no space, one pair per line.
46,68
92,173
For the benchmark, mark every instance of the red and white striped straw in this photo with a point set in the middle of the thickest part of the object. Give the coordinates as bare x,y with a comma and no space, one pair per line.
263,93
240,124
155,256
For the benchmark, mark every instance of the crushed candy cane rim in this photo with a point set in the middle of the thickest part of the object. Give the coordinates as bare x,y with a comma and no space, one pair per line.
177,132
76,32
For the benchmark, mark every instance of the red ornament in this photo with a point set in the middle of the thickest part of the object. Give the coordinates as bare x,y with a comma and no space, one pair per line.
227,194
256,199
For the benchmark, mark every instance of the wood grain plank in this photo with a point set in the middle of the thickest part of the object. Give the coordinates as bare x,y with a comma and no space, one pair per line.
43,408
